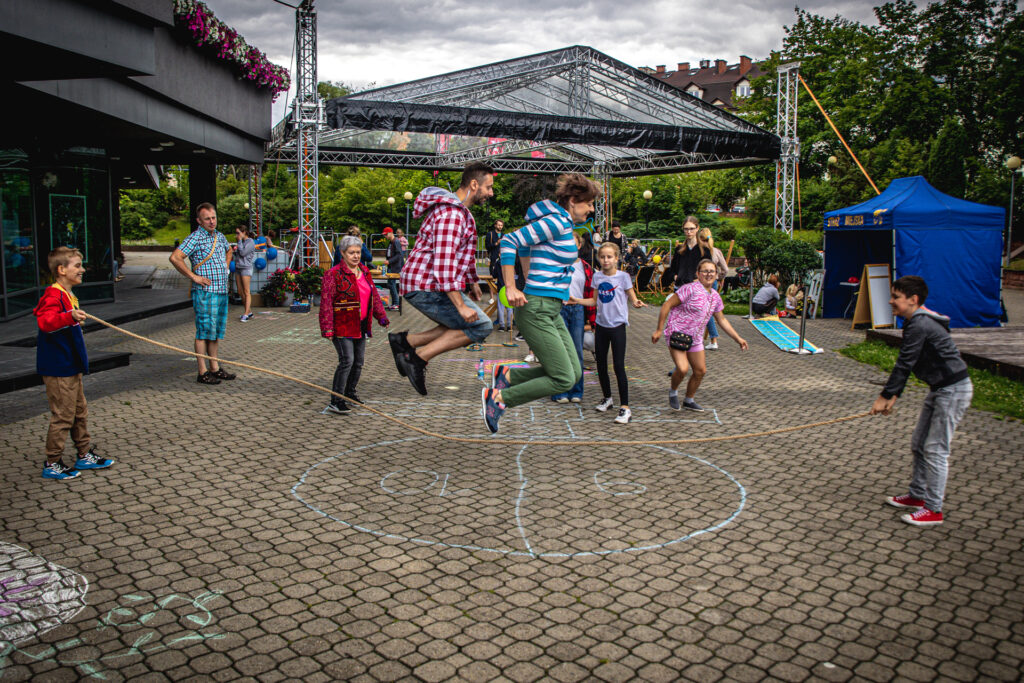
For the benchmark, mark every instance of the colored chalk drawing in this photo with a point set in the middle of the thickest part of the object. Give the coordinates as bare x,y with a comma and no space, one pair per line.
416,490
35,595
135,619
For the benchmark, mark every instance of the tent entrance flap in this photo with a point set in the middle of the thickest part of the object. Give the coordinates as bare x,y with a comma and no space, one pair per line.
847,254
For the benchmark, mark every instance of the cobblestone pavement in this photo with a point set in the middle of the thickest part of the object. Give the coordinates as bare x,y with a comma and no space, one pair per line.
243,534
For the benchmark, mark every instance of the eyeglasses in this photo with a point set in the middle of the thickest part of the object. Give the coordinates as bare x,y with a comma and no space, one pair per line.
708,272
689,229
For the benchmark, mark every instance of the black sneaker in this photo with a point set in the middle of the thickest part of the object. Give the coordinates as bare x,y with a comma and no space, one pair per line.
339,408
399,345
207,378
355,397
415,369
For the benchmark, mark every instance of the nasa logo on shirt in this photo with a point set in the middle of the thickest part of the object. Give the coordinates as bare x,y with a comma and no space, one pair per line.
606,292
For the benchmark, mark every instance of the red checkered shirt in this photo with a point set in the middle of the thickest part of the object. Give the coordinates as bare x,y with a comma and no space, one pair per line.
443,258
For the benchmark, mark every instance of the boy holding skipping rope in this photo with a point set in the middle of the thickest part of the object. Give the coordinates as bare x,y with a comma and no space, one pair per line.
929,352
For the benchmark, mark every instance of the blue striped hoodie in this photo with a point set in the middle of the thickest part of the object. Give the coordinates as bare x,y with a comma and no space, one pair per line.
548,242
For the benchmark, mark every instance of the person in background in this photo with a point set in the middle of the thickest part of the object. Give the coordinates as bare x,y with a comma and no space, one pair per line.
492,245
400,235
616,237
689,253
264,242
794,300
767,298
705,240
574,315
245,254
348,300
395,256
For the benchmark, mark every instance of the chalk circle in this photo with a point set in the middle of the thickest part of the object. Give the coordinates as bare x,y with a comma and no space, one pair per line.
537,504
35,595
452,387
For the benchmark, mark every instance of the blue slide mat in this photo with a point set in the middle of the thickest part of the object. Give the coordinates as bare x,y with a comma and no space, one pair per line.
778,333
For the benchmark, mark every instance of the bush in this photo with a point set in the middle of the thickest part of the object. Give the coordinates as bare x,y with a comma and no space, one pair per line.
755,245
725,233
791,259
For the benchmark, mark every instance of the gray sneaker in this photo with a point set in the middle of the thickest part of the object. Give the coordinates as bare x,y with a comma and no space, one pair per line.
673,402
690,404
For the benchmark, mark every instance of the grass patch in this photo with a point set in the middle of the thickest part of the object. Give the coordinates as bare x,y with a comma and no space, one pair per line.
992,392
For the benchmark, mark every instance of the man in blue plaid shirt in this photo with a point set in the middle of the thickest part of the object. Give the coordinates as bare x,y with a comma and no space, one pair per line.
210,255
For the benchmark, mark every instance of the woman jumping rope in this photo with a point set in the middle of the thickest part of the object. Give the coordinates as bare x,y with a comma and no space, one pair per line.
549,244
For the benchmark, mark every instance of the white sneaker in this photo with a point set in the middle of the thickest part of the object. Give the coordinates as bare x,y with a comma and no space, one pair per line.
531,358
574,399
711,346
624,415
604,405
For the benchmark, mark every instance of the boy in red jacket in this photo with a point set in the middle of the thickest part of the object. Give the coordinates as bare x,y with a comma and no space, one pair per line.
61,360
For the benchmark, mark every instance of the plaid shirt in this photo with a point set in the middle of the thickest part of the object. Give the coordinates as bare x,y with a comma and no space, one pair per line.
444,258
197,247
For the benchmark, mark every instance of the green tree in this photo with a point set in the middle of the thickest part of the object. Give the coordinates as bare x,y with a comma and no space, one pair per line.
946,161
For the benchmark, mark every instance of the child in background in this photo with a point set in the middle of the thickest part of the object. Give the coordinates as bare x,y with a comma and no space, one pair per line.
929,352
612,288
794,300
61,360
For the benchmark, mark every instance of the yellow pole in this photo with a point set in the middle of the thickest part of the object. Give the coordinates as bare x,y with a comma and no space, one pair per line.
838,134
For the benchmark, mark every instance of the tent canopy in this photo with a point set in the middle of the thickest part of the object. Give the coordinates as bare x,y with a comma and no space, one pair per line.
568,110
955,245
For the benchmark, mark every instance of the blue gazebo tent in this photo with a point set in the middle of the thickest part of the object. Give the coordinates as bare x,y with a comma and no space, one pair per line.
955,245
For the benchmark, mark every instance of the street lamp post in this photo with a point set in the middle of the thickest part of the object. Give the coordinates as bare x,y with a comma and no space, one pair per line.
1013,163
391,208
647,212
408,198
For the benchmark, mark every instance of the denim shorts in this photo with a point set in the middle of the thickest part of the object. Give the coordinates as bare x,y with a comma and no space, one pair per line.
439,308
211,309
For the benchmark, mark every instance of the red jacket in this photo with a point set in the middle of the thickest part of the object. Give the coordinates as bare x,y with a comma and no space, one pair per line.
589,312
339,304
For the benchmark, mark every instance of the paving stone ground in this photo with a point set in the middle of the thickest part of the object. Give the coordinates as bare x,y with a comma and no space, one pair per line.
245,535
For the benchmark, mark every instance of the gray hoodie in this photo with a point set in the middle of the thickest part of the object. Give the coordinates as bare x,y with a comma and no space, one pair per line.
929,352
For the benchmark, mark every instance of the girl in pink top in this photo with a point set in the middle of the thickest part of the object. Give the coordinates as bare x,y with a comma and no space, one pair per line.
687,311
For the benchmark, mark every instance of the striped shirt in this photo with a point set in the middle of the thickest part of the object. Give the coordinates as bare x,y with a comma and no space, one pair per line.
548,242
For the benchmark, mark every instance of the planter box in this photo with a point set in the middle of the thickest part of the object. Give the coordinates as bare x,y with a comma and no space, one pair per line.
1013,279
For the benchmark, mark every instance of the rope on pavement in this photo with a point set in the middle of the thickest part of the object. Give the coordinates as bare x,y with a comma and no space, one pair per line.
469,439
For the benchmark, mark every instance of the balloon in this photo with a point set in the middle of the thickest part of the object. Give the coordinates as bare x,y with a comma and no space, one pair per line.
260,263
231,266
657,260
503,297
271,253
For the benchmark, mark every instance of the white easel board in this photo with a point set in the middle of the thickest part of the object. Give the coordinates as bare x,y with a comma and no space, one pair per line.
873,297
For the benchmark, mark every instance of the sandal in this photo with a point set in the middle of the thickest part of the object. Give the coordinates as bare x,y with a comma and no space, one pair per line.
220,374
207,378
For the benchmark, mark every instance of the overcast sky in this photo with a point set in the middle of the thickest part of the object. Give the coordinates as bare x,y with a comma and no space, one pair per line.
391,41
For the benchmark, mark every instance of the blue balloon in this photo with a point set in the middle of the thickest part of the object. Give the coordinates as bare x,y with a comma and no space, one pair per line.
260,263
271,253
231,266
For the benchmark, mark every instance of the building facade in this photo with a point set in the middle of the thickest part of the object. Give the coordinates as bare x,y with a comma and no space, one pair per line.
717,83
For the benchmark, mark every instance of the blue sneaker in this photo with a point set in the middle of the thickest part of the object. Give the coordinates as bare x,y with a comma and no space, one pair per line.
92,461
499,377
492,409
58,470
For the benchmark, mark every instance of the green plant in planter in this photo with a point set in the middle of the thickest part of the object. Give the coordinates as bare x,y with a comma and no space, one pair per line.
310,281
279,285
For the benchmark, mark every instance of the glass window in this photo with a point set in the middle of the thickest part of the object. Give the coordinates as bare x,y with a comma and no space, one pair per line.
19,242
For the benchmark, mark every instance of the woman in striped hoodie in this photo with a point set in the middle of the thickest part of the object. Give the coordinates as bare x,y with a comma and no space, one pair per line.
549,249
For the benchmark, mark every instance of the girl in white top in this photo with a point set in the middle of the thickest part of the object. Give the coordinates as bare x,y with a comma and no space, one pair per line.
612,287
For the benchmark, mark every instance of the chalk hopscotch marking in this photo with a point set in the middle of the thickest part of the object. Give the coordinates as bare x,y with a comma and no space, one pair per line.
35,595
635,488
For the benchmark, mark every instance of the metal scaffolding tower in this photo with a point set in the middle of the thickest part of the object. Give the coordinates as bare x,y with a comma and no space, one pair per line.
256,199
787,166
308,115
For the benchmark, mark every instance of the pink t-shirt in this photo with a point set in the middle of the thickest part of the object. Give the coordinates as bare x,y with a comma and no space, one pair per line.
364,286
696,306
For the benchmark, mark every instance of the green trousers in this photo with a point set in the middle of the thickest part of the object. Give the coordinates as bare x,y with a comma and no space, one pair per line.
540,322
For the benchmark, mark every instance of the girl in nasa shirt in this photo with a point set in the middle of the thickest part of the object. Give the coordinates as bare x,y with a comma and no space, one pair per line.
612,288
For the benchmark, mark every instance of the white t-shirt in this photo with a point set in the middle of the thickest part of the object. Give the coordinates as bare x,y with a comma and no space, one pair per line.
579,280
612,300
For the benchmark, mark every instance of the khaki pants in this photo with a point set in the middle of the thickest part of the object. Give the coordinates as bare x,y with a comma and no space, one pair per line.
67,412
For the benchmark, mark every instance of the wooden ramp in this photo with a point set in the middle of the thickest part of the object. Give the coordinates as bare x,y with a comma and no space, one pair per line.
996,349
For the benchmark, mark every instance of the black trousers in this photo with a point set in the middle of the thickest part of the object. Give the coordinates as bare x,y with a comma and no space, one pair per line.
616,338
350,365
765,308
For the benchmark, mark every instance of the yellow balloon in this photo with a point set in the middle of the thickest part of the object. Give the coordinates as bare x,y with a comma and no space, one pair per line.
657,260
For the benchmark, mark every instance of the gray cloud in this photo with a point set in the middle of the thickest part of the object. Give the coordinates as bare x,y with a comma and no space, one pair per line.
391,41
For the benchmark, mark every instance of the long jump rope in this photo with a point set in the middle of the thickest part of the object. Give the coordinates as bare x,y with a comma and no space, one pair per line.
469,439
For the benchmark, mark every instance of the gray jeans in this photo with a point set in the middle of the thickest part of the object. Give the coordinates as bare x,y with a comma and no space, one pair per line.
350,365
943,409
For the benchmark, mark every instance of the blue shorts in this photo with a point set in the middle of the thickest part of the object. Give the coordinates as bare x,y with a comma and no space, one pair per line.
439,308
211,314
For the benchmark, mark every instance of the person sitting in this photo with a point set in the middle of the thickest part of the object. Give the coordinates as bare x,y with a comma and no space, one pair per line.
794,300
767,297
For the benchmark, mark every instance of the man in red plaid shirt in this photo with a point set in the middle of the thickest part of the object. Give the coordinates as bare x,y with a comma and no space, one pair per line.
439,267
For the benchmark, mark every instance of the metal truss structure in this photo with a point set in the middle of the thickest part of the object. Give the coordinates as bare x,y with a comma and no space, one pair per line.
788,164
308,116
564,111
256,199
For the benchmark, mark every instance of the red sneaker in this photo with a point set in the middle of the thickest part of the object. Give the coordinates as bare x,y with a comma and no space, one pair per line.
906,501
923,517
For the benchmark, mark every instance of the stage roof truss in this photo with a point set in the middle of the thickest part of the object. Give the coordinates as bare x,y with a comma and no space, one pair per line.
574,109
